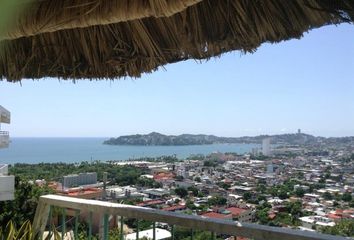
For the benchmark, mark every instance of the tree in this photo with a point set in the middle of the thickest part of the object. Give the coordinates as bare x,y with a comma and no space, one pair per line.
299,192
262,216
181,192
247,196
217,201
194,190
261,188
295,209
197,179
179,178
344,228
283,194
327,196
24,206
347,197
210,163
190,205
224,185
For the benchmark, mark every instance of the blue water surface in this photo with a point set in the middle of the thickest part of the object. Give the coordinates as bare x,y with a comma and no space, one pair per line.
36,150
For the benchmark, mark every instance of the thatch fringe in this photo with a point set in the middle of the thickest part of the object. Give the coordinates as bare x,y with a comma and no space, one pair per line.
201,31
50,16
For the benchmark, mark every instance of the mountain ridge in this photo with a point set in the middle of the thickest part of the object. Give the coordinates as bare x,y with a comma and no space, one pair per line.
158,139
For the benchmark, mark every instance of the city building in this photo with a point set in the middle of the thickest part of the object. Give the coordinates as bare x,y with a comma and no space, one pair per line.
7,183
5,117
76,180
316,222
241,214
266,151
160,234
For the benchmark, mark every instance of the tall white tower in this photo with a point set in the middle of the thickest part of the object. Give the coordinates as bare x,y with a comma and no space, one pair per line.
7,183
266,147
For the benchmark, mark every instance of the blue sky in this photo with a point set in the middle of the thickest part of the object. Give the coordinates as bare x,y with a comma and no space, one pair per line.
307,84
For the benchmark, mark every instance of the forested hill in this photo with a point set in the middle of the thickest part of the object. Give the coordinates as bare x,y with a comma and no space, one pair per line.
157,139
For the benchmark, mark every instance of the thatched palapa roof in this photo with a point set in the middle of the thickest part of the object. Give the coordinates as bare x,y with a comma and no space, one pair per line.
107,39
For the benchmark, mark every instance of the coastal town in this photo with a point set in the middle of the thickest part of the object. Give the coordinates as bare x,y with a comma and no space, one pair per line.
301,186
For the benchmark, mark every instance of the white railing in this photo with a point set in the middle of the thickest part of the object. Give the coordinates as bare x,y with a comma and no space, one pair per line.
215,226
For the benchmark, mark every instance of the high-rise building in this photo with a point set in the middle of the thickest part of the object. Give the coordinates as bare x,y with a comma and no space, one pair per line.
76,180
299,131
266,151
7,183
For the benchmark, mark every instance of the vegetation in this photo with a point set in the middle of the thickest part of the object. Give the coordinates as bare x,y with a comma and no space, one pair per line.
214,201
154,138
184,234
10,232
289,217
344,228
347,197
24,206
181,192
210,163
117,174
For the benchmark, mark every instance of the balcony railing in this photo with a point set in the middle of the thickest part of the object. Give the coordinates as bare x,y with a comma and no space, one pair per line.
107,210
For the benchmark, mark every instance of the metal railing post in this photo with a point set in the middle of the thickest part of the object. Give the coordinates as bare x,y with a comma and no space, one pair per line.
63,223
173,232
121,228
50,220
137,228
90,226
77,213
154,231
105,226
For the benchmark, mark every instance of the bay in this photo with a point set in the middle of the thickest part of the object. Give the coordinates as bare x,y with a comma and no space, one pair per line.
69,150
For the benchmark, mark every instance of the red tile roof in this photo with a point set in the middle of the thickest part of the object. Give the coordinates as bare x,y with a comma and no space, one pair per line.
174,208
235,211
163,176
150,202
333,216
217,215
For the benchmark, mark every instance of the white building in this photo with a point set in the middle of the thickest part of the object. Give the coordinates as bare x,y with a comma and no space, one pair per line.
270,168
5,117
266,151
316,222
160,234
75,180
7,183
118,192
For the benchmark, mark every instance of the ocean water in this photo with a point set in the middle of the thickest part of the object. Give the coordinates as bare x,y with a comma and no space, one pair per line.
36,150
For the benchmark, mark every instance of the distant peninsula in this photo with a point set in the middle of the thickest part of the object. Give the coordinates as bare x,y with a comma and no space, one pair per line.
158,139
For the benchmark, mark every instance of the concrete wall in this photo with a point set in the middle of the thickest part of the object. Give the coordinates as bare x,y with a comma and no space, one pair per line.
7,188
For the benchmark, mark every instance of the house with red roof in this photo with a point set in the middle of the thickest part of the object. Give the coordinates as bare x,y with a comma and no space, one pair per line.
340,214
241,214
175,208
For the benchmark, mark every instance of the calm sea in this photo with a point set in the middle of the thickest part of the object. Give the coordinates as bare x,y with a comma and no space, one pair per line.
36,150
